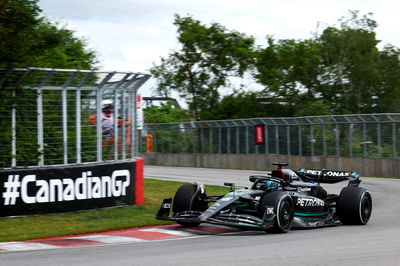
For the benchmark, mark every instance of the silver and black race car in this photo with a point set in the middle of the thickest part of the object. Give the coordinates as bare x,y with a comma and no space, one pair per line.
277,202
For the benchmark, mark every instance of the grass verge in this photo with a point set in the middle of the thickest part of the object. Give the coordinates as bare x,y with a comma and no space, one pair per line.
43,226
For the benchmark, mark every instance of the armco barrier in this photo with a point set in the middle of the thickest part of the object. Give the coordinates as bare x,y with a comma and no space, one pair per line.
380,167
70,188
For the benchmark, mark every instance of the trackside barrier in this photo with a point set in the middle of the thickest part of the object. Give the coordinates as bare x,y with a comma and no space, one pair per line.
384,167
69,188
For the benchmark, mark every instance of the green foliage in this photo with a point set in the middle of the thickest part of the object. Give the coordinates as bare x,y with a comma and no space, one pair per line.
208,55
351,65
288,69
165,113
247,105
18,19
57,47
340,70
28,40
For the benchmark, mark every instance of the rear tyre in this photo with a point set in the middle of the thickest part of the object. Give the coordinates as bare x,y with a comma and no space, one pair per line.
283,208
354,206
187,199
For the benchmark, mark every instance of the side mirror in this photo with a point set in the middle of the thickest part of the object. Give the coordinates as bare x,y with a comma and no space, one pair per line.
252,178
232,185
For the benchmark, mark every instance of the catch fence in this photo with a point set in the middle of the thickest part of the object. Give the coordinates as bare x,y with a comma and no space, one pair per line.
50,116
359,135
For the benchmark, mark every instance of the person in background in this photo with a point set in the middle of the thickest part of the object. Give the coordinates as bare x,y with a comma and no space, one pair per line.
107,122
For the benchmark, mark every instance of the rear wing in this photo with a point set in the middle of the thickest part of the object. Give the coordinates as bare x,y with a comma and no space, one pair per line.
328,176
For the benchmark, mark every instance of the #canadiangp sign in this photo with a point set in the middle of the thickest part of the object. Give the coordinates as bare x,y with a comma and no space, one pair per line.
66,188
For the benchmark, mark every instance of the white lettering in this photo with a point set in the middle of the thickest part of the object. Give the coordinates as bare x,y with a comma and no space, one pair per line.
43,193
66,189
309,202
56,184
24,189
69,191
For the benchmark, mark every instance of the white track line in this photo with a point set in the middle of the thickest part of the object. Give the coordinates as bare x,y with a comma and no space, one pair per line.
168,231
108,239
21,246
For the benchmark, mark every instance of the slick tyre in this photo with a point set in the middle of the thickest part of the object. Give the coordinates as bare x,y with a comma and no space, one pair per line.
186,199
283,208
354,206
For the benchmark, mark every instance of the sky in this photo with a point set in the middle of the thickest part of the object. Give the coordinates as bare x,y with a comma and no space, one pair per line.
132,35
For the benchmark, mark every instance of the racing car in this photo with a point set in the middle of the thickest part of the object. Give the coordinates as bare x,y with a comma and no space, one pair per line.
279,201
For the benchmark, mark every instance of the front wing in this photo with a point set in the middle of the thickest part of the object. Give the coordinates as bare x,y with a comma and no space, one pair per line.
213,216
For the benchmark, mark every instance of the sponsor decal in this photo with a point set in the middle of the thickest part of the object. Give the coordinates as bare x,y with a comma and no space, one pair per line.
32,190
166,205
329,173
259,134
303,189
309,202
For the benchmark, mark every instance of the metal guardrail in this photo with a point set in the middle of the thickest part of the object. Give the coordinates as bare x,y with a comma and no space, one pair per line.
44,116
358,135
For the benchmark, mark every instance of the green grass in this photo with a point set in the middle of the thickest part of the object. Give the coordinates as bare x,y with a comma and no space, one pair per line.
43,226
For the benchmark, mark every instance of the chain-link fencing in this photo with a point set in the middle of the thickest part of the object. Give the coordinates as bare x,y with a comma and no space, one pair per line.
361,135
50,116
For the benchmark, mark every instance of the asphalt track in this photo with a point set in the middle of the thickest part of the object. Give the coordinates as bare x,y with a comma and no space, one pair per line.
377,243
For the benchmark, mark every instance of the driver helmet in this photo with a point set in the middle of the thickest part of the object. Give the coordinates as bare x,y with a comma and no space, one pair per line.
107,106
271,185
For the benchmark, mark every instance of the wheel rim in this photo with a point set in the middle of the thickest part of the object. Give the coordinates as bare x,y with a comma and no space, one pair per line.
286,215
366,208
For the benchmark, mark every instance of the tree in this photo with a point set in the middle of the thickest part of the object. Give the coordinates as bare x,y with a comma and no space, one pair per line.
165,114
389,96
208,56
339,71
18,19
248,105
289,71
351,67
29,40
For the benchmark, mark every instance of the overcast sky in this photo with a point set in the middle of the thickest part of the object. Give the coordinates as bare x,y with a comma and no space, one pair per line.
131,35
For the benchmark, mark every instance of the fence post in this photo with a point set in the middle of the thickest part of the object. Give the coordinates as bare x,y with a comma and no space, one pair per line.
312,140
276,139
324,139
228,140
116,135
288,139
379,140
14,132
99,136
247,139
394,140
300,141
220,140
40,125
237,140
133,106
350,140
124,118
210,139
337,139
64,123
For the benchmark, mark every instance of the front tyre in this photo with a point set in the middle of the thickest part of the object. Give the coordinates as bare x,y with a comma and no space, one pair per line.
283,209
354,206
187,199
